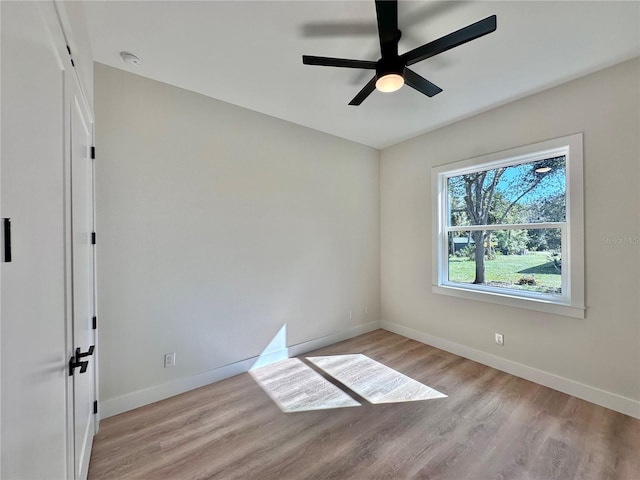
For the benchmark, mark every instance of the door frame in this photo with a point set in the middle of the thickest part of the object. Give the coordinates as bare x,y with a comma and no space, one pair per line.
83,257
60,27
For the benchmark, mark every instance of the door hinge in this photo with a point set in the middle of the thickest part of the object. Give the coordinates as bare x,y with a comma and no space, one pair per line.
95,322
95,407
6,233
93,152
70,56
93,238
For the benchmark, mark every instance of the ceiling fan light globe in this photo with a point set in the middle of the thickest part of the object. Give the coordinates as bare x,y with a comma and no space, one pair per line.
390,82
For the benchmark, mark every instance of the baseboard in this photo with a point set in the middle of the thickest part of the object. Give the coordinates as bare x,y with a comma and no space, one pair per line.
139,398
591,394
304,347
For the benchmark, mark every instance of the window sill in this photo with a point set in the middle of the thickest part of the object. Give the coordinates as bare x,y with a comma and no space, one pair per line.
540,305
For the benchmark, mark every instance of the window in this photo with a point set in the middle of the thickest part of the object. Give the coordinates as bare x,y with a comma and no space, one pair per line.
508,227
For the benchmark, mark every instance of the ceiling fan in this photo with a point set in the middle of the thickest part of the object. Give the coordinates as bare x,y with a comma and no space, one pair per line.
392,69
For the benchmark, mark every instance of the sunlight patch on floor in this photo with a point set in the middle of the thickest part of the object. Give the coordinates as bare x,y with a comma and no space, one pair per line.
374,381
274,352
296,387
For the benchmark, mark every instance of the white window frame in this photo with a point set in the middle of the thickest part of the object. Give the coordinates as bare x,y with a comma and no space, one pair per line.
571,302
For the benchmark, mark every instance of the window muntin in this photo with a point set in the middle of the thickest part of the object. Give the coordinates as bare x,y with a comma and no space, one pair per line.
517,205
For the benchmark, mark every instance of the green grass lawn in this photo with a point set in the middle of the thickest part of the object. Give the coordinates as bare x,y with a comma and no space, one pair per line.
506,270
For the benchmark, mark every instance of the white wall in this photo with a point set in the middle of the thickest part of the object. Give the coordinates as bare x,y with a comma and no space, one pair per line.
600,351
217,226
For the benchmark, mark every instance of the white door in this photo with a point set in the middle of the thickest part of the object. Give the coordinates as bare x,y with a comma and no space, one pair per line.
47,289
82,278
33,310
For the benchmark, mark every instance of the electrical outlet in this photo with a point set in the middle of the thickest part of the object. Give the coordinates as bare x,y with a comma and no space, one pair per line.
169,360
500,339
350,314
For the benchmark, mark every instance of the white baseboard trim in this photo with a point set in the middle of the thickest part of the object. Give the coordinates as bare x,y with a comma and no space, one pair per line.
621,404
139,398
321,342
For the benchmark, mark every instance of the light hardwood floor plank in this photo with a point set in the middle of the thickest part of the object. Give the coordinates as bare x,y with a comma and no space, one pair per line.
492,425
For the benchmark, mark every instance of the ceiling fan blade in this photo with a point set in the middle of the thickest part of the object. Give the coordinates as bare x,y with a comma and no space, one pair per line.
421,84
387,13
338,62
364,93
464,35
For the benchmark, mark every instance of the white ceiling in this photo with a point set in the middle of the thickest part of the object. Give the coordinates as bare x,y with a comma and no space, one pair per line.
249,54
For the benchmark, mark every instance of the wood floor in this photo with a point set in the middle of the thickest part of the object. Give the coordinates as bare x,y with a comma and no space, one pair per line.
492,425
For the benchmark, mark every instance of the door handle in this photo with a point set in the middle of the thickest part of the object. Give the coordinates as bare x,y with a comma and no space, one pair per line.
74,363
88,353
6,234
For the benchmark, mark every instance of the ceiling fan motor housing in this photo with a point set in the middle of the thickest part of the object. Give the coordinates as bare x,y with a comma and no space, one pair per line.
386,66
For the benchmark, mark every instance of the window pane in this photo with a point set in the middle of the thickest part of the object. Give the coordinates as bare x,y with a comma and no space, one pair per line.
517,260
527,193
